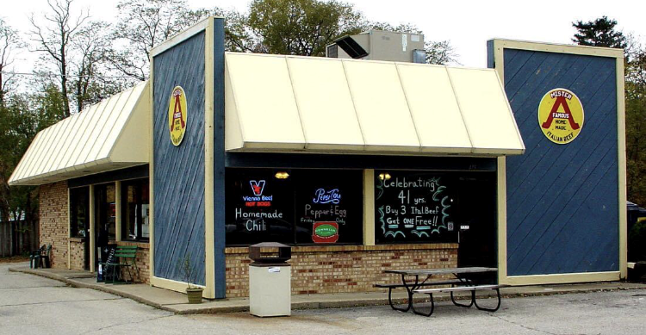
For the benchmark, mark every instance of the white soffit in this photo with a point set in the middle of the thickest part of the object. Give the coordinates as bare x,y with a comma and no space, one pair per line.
110,135
294,104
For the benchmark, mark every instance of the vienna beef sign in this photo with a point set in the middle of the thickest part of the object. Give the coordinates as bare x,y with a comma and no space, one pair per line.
560,116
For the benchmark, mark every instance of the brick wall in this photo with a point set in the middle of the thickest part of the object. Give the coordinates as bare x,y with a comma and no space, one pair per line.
53,221
339,269
77,253
142,259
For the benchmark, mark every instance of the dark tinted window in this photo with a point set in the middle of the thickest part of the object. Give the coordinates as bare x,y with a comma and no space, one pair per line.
329,206
415,207
79,211
135,210
293,206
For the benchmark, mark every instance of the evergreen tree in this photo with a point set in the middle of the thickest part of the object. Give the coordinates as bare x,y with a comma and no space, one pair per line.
599,33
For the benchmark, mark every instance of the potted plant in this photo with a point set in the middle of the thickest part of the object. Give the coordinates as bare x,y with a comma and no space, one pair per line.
194,293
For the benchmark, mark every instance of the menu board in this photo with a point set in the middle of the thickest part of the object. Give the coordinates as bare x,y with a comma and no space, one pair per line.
413,206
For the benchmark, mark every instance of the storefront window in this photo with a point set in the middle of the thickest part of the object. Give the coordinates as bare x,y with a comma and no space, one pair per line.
105,213
135,210
415,207
294,206
79,211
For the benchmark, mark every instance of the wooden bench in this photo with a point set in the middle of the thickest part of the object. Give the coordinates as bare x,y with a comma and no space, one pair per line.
451,290
124,257
412,287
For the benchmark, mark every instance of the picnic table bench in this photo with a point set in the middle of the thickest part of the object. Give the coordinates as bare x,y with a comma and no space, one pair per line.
464,281
122,257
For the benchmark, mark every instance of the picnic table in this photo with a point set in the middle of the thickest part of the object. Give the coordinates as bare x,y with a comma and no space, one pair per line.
466,279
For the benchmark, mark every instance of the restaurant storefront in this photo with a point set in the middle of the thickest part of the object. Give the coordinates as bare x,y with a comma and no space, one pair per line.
360,166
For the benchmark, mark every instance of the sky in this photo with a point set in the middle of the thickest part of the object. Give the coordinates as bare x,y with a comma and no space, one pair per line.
466,24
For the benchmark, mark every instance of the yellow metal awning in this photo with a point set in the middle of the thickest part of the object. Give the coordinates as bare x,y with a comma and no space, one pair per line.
110,135
305,104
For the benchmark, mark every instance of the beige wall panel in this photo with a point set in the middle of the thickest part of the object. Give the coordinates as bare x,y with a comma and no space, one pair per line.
85,143
233,133
381,106
135,130
324,103
100,125
69,123
486,111
43,150
116,103
434,108
19,170
22,170
74,139
265,102
93,115
60,144
121,120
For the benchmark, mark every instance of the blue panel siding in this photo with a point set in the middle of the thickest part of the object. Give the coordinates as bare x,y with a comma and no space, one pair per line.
562,200
179,171
219,160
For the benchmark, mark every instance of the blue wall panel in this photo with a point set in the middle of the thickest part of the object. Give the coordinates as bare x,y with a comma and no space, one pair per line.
562,200
179,171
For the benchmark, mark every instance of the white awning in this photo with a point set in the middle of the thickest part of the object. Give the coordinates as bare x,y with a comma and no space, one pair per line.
280,103
110,135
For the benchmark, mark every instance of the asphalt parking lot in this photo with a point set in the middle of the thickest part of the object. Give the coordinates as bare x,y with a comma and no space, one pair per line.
35,305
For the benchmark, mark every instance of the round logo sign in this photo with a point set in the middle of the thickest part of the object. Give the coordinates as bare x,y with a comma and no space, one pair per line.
560,115
177,115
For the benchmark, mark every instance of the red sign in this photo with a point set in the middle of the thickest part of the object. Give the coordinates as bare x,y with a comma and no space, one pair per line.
325,232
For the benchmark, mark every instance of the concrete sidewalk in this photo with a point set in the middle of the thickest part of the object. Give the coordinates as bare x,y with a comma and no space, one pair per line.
176,302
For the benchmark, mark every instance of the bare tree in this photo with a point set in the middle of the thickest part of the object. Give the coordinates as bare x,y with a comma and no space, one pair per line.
55,37
91,46
9,42
142,24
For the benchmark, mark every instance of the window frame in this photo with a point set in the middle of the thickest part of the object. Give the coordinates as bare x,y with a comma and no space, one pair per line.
139,184
74,231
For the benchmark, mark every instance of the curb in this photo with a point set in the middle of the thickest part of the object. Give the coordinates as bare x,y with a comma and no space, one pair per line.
298,305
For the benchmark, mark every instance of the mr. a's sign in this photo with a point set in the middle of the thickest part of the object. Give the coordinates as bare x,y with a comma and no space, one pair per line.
177,114
560,116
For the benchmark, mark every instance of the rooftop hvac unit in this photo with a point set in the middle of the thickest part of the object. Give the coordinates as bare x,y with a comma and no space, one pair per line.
380,45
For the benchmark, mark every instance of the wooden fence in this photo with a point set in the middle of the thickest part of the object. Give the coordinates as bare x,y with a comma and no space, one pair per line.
18,238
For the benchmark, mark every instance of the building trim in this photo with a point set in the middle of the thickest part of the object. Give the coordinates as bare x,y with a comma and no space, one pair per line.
172,285
369,207
92,232
209,223
181,37
561,278
151,173
621,164
500,44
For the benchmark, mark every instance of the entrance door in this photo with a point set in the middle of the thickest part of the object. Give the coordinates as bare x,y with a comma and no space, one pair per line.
478,223
105,217
80,220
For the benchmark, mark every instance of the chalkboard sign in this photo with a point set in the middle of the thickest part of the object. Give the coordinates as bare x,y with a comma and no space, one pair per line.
328,206
414,207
